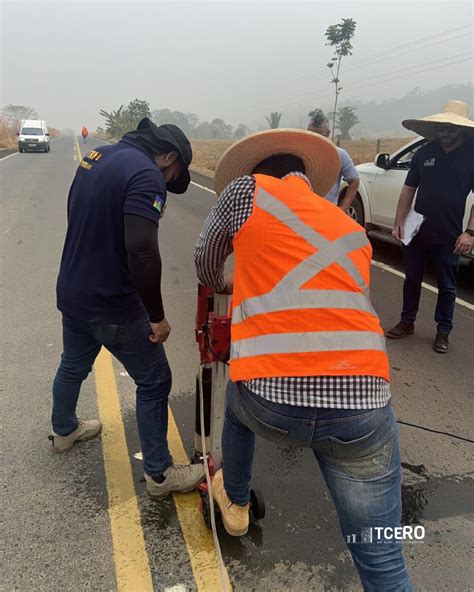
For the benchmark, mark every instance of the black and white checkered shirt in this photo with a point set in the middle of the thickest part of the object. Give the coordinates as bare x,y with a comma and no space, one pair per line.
214,246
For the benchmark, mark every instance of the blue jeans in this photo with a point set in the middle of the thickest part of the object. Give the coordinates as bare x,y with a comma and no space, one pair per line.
359,456
446,264
144,361
84,139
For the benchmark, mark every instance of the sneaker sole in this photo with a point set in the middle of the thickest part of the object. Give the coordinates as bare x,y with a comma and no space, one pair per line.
85,439
187,490
440,351
400,336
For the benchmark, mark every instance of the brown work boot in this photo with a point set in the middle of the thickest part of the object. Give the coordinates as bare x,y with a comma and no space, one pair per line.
441,343
401,330
234,517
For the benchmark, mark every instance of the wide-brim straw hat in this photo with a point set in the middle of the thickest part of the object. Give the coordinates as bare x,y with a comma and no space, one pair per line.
320,157
454,112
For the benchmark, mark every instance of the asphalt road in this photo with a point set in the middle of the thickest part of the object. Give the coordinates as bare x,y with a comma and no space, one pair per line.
59,525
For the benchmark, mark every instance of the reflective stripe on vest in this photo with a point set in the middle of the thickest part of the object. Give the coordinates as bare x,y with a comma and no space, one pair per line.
320,341
286,295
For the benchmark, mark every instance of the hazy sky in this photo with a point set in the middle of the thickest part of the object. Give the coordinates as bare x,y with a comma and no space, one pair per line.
235,60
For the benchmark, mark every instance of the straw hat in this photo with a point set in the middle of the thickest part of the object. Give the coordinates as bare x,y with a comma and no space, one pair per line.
454,112
319,155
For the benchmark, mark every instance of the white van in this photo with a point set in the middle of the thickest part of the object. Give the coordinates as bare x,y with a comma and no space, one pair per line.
33,135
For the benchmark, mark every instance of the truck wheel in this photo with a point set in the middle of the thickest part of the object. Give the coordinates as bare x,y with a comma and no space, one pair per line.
356,211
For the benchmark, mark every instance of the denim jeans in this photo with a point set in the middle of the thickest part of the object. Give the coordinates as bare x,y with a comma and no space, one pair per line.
359,457
144,361
446,264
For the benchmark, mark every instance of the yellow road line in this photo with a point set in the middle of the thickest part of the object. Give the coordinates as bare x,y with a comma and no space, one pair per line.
197,536
79,154
131,560
130,556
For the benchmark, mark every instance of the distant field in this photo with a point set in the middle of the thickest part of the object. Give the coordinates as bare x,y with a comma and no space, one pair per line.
207,152
8,137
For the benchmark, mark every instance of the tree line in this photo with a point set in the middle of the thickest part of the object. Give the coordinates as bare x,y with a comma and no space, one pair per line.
124,119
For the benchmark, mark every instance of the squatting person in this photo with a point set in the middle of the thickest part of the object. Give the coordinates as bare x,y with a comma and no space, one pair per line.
308,362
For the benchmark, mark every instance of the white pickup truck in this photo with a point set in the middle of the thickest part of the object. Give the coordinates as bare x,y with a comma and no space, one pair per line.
380,184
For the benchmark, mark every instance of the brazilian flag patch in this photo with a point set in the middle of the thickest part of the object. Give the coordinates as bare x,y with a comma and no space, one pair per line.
159,203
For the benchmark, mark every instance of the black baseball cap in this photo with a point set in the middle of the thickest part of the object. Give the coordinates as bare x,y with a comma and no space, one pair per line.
171,137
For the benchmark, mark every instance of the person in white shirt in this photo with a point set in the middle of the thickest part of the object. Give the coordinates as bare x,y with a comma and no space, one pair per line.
319,124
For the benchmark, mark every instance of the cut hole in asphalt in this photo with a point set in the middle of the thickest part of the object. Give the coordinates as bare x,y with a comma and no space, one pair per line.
438,497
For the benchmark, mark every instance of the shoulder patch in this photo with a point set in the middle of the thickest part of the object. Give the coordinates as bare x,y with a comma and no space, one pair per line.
159,203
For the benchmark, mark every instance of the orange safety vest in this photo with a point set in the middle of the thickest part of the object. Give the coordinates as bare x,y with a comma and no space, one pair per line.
84,132
301,304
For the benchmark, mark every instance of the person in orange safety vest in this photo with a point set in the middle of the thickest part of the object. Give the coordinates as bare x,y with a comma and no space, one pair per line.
308,362
84,133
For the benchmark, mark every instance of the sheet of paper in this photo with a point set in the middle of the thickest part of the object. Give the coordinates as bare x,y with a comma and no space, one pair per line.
412,225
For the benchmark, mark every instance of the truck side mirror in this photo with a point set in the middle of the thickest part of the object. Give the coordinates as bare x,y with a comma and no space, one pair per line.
46,134
382,161
17,133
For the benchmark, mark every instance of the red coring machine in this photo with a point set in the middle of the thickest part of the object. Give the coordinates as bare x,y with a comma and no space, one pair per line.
213,338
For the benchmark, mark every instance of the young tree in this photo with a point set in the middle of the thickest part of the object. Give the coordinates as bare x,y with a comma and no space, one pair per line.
186,121
122,120
274,119
137,110
15,113
116,122
240,131
345,120
220,129
339,37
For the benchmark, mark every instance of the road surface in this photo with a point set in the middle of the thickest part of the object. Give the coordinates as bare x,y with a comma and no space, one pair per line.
82,521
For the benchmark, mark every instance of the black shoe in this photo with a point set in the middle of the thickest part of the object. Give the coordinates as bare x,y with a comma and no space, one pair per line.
401,330
441,343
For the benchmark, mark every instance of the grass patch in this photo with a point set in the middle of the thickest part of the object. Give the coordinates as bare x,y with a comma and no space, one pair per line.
207,152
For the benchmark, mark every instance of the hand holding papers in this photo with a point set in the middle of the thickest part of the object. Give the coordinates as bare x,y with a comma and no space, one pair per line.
411,226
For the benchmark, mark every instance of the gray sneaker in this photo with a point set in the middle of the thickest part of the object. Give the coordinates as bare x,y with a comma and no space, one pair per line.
86,430
182,478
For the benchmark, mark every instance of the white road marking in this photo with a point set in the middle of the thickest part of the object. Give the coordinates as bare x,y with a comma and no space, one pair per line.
9,156
386,267
202,187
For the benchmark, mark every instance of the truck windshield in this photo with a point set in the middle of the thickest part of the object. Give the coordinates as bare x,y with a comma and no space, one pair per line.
32,131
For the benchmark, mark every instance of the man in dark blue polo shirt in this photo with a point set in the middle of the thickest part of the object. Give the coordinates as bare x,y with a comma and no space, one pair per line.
109,289
443,173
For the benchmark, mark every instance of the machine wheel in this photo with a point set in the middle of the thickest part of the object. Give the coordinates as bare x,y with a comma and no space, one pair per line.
206,509
257,504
